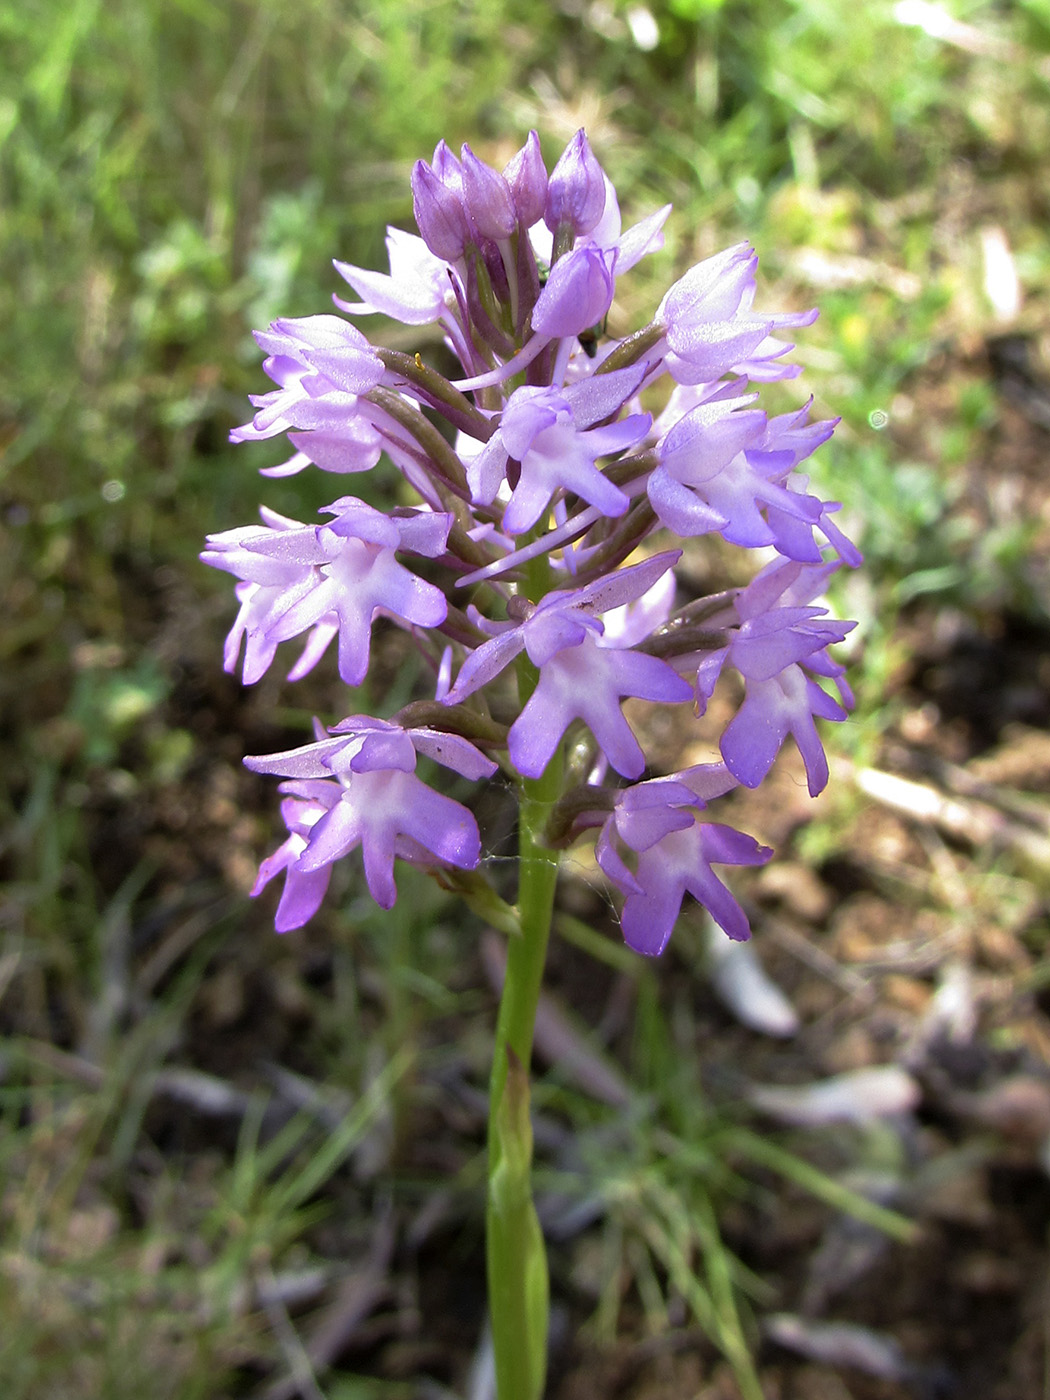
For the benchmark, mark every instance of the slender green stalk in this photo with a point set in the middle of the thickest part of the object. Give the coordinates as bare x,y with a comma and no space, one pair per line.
526,954
517,1262
516,1257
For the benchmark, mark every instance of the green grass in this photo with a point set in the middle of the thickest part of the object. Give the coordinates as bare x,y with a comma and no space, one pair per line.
170,177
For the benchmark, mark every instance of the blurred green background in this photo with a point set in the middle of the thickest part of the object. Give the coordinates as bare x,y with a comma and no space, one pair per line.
172,176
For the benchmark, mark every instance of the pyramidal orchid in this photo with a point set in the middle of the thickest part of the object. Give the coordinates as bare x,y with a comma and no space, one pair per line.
535,570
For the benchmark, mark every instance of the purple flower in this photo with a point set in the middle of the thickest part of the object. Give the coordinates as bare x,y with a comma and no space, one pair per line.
726,468
579,677
587,682
709,323
387,814
415,290
769,649
322,366
562,619
657,824
787,703
303,889
268,583
363,744
374,801
547,432
336,577
578,293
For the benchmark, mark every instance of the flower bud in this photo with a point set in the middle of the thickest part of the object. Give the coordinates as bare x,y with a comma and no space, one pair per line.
526,175
578,293
487,198
447,168
576,194
439,213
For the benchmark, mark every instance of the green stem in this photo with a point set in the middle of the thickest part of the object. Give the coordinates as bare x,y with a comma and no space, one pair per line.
517,1263
526,955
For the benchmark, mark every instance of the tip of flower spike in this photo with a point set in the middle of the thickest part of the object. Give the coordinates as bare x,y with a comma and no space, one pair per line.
439,213
446,167
488,199
526,175
576,192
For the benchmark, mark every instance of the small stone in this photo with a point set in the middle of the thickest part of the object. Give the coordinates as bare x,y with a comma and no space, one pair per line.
909,993
223,996
985,1272
853,1050
798,888
959,1199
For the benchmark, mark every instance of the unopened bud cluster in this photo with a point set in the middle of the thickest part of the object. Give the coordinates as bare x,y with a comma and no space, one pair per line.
547,536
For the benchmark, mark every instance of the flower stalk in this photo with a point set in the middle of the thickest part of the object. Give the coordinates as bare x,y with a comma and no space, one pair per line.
552,510
515,1252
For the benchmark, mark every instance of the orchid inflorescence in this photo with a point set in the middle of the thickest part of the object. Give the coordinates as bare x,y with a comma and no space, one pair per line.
547,535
